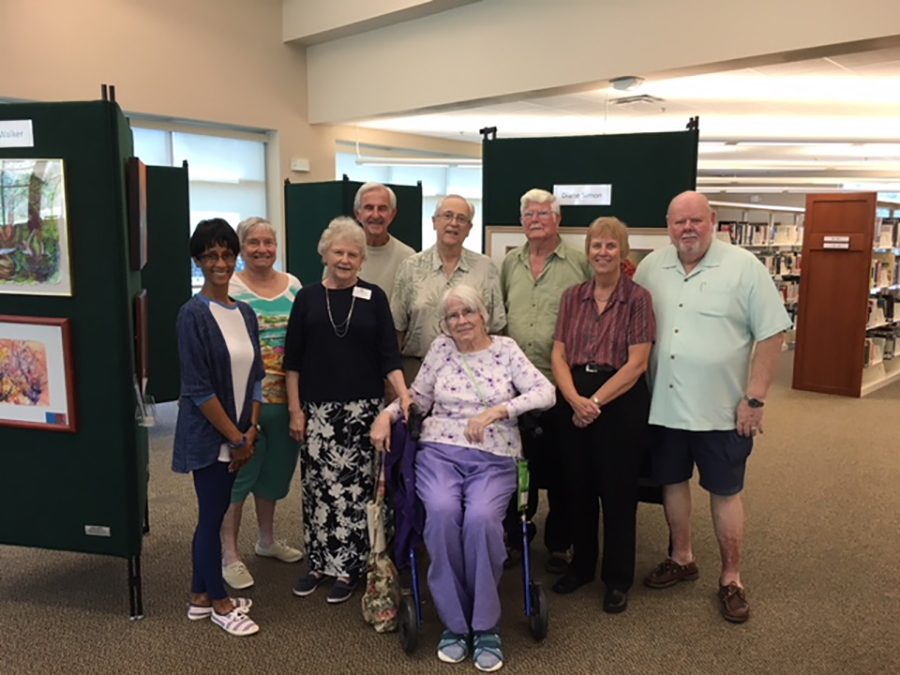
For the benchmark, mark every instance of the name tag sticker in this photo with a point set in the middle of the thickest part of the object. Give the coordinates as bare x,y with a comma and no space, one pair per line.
362,293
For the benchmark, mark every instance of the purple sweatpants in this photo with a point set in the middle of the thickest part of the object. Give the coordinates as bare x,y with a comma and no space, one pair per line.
465,493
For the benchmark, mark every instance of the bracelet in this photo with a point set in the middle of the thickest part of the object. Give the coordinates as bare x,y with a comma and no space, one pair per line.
242,444
595,401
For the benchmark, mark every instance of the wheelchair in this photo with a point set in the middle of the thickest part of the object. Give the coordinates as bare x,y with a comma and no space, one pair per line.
535,599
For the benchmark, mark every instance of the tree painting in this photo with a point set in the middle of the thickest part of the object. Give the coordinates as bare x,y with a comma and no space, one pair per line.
24,377
32,210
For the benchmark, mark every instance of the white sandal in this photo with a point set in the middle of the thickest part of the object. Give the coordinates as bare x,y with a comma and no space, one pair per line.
235,623
197,612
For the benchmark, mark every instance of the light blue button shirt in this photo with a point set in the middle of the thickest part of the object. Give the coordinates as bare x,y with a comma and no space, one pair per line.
707,323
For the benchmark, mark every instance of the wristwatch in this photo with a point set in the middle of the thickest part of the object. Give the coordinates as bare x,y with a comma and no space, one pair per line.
754,402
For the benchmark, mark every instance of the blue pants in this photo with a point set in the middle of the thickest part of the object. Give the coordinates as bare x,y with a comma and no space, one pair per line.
465,493
213,487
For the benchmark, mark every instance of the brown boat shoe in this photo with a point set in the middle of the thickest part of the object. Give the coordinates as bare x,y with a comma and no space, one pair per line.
668,573
733,603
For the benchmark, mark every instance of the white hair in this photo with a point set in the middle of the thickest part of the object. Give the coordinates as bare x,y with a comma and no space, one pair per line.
247,224
342,227
538,196
440,204
369,187
468,296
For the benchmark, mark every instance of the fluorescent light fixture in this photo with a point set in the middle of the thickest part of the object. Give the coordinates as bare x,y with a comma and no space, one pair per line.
886,187
428,162
758,207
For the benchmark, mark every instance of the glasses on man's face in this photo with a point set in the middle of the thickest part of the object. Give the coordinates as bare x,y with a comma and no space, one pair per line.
543,215
462,314
450,217
212,258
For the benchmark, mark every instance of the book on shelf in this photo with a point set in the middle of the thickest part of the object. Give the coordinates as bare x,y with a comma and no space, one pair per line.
884,270
887,233
874,351
762,234
781,262
886,339
790,291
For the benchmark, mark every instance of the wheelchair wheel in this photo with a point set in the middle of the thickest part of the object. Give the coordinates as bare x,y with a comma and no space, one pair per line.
539,620
408,623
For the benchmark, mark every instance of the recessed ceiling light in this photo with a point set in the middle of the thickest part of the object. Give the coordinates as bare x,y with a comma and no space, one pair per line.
626,82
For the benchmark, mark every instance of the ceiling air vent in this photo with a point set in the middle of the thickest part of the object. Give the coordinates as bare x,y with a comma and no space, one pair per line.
640,98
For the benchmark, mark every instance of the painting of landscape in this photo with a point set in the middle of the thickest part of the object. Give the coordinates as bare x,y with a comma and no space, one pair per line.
34,250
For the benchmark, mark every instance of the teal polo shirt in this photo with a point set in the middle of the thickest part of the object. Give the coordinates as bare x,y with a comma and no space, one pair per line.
707,323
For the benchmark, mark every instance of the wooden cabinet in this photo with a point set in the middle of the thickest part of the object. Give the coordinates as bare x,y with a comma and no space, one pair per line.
834,294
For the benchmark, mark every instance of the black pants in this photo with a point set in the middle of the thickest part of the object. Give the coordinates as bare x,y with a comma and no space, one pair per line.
603,460
542,452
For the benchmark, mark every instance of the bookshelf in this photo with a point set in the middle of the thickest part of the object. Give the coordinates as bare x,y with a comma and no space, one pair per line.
847,329
775,235
881,360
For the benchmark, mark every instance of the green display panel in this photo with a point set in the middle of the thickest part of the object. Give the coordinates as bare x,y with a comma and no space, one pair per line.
167,274
644,170
83,490
309,207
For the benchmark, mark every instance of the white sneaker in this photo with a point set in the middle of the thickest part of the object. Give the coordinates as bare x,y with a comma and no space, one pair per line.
237,575
281,551
197,612
235,623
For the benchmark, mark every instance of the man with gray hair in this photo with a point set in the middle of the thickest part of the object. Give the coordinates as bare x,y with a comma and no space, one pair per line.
375,207
423,278
719,324
533,278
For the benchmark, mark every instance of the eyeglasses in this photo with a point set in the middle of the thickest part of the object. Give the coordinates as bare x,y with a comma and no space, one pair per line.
458,218
543,215
462,314
212,258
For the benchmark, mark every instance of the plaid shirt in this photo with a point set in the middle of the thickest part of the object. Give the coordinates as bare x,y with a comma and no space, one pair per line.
604,338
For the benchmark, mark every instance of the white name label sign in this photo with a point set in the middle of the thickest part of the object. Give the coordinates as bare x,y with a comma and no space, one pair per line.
583,195
16,134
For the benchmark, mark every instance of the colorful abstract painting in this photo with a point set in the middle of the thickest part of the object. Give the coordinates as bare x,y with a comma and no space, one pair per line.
37,385
34,242
23,373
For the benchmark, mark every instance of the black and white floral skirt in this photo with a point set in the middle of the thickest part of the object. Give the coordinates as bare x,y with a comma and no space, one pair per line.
338,481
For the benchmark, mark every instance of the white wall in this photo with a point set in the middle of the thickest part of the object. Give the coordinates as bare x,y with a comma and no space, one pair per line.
220,61
500,48
316,20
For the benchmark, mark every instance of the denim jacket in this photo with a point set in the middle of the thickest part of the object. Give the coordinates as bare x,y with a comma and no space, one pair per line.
206,370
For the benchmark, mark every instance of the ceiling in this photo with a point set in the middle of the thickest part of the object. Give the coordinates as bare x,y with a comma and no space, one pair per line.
820,124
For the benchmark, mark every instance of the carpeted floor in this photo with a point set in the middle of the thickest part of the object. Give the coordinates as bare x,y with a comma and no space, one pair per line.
823,546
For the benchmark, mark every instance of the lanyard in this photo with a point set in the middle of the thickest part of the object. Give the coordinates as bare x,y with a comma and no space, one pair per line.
474,382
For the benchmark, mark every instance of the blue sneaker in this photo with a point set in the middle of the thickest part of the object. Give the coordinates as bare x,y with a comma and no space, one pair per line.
341,591
488,652
453,647
307,585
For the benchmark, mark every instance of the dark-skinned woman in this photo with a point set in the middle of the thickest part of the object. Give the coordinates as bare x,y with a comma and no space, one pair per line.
218,414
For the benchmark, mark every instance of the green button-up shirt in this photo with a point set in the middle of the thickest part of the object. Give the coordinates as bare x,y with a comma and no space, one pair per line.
706,325
532,305
421,283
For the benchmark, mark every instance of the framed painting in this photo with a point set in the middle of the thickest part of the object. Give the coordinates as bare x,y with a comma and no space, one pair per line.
137,212
34,233
37,385
501,239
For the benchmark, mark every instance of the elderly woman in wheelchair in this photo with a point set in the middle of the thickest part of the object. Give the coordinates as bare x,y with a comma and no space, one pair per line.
475,386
